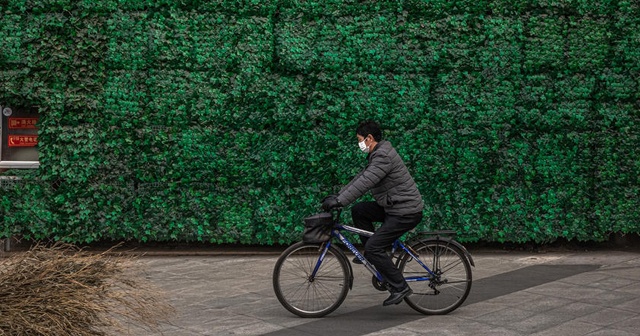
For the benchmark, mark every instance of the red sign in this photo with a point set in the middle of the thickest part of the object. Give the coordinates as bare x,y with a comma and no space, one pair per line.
22,123
23,140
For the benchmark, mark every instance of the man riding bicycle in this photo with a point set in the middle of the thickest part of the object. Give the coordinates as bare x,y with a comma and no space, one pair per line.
398,205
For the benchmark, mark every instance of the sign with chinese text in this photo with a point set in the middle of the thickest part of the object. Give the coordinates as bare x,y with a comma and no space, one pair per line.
22,123
23,140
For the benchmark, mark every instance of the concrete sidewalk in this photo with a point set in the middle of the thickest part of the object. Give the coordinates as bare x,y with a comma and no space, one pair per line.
593,293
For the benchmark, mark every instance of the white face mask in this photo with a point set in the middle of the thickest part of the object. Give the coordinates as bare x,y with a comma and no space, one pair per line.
363,147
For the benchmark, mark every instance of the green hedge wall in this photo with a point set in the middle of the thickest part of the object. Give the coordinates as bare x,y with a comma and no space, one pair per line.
228,121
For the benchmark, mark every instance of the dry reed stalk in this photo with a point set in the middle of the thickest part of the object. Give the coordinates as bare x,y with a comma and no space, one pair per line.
62,290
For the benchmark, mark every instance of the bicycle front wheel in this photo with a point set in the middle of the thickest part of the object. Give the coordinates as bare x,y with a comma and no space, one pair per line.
308,296
444,291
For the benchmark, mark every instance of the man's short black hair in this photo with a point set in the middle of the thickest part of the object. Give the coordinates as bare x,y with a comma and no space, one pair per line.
370,127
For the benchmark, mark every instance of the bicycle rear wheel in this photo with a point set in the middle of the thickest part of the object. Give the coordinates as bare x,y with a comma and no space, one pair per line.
452,282
306,296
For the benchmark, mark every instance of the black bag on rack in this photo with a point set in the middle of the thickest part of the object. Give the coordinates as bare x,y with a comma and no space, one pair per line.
317,228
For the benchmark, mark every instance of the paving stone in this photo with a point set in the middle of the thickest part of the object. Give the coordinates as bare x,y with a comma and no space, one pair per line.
607,317
570,328
576,309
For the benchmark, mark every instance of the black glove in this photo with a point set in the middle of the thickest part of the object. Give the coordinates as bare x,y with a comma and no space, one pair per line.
330,202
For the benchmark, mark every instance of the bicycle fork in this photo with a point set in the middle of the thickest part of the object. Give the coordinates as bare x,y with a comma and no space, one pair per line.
325,247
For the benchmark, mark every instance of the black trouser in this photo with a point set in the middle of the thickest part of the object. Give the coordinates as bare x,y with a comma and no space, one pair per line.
376,246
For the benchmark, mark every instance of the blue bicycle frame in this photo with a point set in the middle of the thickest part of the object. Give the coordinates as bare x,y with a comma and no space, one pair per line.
397,245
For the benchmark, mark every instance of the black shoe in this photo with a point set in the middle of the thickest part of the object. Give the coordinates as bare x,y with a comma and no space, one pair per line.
357,261
397,297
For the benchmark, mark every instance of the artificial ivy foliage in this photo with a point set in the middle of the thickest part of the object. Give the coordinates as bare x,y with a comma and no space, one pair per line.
228,121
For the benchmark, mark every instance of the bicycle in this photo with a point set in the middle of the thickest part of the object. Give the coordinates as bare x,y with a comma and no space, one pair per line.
312,279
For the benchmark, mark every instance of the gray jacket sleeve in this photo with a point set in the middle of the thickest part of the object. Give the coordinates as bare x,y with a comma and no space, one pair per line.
378,167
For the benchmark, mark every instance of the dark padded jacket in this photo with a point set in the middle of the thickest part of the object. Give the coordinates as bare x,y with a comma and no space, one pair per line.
387,177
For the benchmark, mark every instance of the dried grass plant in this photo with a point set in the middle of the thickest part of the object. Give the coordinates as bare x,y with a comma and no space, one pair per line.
63,290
